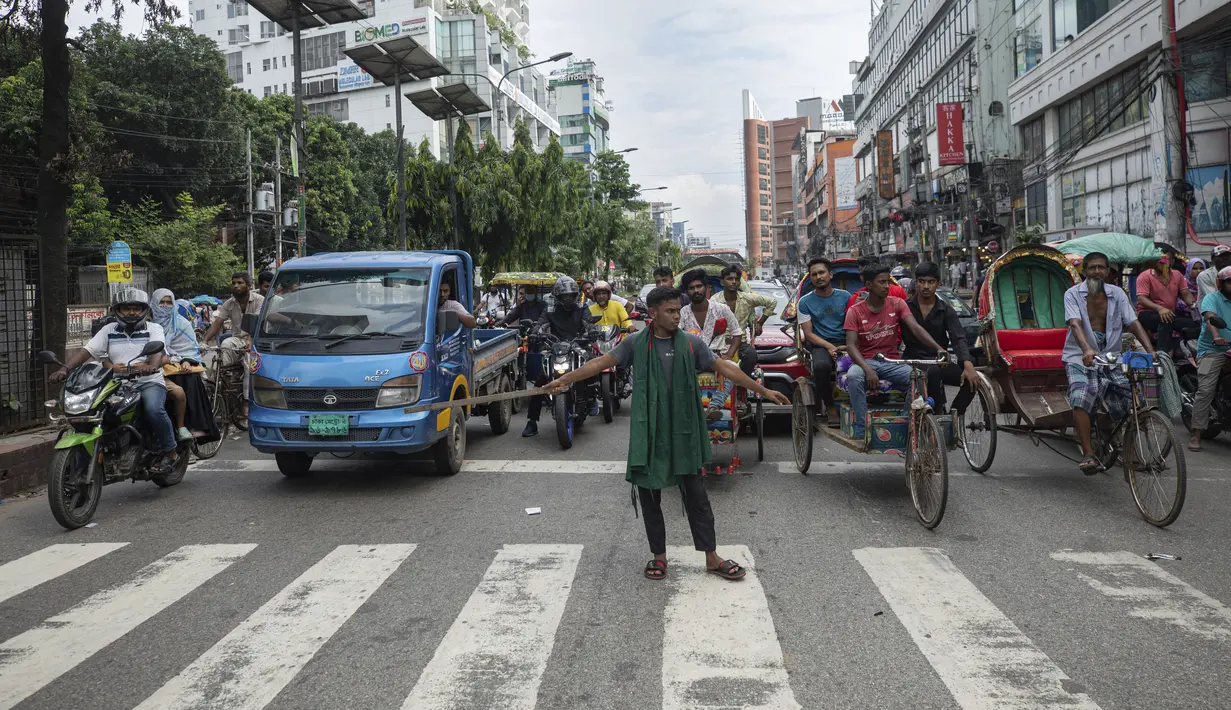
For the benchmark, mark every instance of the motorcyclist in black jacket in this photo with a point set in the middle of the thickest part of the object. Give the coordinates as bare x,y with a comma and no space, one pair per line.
566,320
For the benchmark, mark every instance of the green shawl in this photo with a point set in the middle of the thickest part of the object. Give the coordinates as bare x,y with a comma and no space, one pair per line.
668,437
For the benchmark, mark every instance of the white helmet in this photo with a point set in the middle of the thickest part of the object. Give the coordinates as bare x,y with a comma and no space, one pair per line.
130,296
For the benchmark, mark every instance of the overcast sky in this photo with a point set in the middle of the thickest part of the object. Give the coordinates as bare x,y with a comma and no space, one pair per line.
674,71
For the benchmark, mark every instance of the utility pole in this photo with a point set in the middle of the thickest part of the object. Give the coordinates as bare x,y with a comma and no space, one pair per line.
251,259
278,225
1173,232
299,138
401,166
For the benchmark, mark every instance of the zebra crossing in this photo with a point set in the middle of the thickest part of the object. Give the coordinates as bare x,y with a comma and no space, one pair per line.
720,641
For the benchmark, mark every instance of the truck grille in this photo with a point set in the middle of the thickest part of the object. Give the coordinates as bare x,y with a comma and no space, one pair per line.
355,435
312,399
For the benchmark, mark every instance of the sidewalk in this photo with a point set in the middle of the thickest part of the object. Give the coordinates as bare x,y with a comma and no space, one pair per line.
23,459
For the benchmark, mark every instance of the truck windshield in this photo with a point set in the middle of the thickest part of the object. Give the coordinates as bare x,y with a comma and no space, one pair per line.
326,305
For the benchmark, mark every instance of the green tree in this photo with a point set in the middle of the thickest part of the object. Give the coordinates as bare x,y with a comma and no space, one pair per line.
180,253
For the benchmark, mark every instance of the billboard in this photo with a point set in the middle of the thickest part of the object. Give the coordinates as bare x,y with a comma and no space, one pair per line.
844,184
949,134
884,165
351,76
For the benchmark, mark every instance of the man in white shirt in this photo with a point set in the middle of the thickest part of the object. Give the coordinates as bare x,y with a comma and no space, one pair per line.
119,344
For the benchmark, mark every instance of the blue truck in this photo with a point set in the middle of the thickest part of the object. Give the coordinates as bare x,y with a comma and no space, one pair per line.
347,341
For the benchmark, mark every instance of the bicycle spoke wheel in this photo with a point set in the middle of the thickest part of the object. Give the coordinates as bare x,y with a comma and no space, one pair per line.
801,431
977,427
927,472
1154,460
210,450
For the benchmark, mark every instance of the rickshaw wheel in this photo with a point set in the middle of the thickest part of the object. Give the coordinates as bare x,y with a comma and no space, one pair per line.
1159,484
927,472
801,431
977,427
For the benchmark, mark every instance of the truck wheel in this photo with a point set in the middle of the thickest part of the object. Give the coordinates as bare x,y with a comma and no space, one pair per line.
450,451
293,464
500,413
564,420
607,387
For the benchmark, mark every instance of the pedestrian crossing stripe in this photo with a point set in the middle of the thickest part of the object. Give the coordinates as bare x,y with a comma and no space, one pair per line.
718,637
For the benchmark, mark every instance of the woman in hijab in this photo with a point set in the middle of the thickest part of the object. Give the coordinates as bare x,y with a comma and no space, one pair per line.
182,373
1195,266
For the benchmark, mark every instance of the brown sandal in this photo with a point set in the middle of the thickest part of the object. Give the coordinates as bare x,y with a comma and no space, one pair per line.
729,569
656,569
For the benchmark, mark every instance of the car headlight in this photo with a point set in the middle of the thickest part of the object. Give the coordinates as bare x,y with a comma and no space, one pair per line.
267,393
78,403
399,392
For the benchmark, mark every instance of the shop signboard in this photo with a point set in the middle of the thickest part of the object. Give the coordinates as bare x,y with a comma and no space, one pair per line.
119,263
952,144
884,165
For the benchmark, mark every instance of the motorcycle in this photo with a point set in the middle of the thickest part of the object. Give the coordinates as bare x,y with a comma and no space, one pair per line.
1220,410
570,408
103,439
615,383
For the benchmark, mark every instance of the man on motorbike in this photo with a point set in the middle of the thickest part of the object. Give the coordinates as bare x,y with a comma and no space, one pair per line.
566,320
1207,282
121,342
1097,315
493,302
1212,352
1159,289
606,309
530,308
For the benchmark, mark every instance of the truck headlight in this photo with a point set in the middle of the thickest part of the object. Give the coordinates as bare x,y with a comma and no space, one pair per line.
399,392
267,393
78,403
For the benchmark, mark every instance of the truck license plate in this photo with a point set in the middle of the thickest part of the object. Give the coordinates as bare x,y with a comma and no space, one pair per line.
328,424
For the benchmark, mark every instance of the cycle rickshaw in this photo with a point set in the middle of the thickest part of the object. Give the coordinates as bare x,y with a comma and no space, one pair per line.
1021,307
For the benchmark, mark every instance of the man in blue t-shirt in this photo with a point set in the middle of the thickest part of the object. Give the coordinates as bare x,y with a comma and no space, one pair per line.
1212,349
821,315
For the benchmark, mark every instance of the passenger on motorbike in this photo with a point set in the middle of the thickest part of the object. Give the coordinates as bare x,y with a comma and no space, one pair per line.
181,345
606,309
566,320
121,342
1212,350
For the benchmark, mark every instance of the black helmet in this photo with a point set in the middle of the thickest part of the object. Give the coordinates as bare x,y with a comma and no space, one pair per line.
129,296
566,292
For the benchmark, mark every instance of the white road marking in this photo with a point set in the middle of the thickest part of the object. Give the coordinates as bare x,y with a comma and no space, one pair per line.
47,564
253,663
720,649
981,656
33,659
494,654
1153,593
894,465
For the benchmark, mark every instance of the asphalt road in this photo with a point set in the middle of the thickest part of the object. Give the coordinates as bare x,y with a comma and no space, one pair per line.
379,585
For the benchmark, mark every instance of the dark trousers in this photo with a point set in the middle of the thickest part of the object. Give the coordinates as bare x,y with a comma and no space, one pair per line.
747,358
700,515
1164,333
938,377
822,375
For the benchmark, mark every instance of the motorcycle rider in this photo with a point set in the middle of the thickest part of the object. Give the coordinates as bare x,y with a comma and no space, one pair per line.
1207,282
530,308
493,302
566,320
122,341
1212,348
605,308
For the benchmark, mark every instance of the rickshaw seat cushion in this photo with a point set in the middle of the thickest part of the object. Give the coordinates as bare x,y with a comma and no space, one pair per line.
1033,348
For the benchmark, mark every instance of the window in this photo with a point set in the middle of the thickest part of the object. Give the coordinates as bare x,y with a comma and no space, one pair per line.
1072,17
763,168
235,66
764,231
338,110
1033,145
322,51
764,199
200,15
284,87
388,101
456,39
762,153
237,35
762,134
764,215
267,29
1036,203
763,183
269,90
1028,45
284,61
1073,199
264,65
1120,101
248,66
1205,74
238,8
368,7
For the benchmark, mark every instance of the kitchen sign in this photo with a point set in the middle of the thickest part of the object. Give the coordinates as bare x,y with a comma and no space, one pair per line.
884,165
952,150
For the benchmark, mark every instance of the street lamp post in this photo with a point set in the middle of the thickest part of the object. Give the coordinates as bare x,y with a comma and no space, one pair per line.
498,102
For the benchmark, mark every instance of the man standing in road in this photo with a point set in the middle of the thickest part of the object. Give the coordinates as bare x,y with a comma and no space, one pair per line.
668,440
1212,348
242,302
821,316
1097,315
1207,282
744,305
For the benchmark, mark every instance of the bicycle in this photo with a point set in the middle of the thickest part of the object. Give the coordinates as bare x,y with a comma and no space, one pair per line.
226,385
1143,441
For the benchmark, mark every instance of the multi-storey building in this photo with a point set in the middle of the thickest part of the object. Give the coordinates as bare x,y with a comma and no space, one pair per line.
1090,103
786,209
259,58
679,235
922,53
583,110
758,179
825,175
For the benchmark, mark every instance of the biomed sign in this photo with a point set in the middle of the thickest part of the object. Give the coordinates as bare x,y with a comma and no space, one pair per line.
395,29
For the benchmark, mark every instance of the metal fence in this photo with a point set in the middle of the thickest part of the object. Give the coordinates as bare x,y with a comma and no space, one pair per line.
22,385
